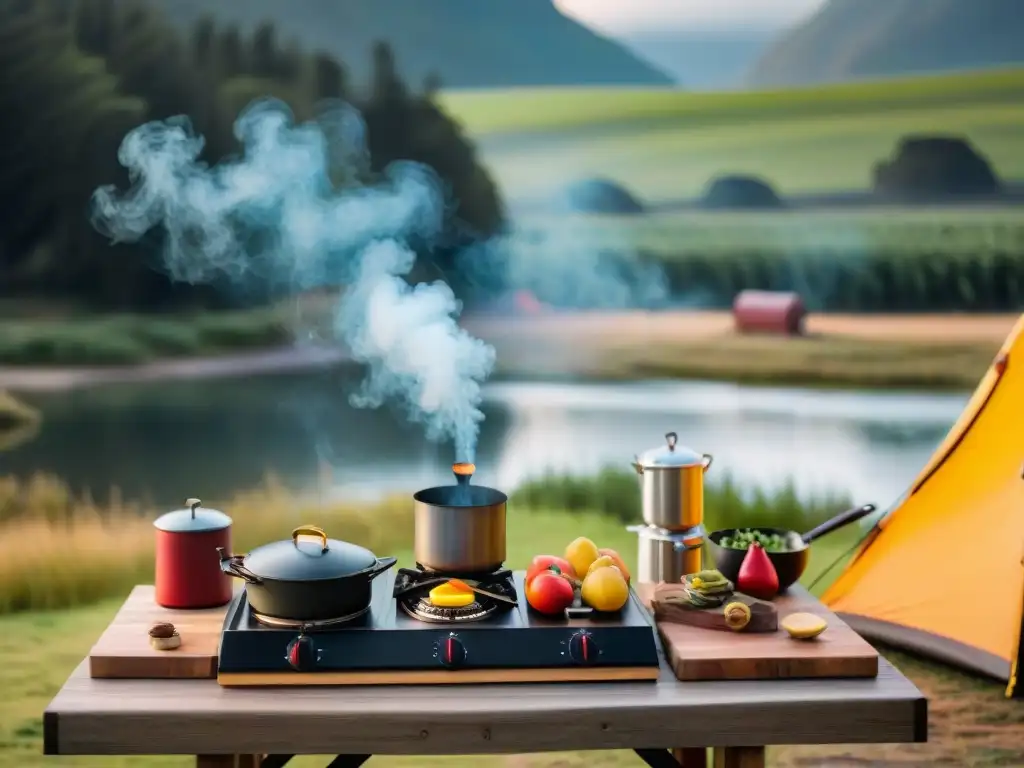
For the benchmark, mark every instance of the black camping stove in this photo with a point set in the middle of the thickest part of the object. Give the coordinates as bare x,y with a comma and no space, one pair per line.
403,639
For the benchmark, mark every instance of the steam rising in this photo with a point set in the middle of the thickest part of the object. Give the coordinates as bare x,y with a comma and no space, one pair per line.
275,217
293,213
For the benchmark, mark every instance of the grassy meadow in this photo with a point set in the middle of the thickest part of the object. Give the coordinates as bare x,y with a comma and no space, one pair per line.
83,560
667,144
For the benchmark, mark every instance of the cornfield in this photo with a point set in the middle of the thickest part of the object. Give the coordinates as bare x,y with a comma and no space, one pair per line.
889,260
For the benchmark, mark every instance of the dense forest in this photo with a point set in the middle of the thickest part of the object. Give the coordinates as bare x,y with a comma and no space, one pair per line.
77,75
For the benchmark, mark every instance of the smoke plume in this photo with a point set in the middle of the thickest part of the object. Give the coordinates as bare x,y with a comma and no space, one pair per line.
278,216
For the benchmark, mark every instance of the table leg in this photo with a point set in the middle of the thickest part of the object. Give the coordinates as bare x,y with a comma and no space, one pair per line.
739,757
691,757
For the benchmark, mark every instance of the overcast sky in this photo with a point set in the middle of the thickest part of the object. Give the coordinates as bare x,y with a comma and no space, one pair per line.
633,15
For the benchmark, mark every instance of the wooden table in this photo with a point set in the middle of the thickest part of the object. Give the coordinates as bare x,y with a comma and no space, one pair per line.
667,723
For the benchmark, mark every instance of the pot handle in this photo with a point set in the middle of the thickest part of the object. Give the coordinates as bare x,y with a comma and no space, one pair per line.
705,461
839,521
310,530
383,564
232,566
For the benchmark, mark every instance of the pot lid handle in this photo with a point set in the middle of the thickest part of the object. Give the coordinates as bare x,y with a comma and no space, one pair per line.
310,530
193,504
671,439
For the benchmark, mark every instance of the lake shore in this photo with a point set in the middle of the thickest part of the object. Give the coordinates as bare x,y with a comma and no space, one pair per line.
924,351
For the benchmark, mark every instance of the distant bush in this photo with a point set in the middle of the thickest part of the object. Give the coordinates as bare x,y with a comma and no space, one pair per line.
928,168
601,196
135,339
743,192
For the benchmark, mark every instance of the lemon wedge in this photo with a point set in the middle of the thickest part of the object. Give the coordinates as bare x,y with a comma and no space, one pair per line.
450,595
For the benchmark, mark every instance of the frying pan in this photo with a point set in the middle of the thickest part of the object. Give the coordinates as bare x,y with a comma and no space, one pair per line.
789,565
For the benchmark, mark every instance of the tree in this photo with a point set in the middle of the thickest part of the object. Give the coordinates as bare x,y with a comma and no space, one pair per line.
204,43
76,78
232,60
264,51
70,117
329,78
387,87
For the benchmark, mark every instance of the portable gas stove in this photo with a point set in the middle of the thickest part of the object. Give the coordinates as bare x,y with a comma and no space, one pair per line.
403,639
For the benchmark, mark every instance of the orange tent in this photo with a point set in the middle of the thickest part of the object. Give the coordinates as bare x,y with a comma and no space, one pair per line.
942,573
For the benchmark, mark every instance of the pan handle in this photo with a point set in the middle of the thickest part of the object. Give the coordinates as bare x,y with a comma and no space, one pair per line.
839,521
382,564
232,566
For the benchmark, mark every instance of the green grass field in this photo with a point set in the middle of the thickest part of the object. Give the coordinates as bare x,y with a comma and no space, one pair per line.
667,144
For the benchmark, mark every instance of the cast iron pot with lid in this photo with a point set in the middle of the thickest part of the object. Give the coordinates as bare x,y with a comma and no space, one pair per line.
308,577
790,564
672,484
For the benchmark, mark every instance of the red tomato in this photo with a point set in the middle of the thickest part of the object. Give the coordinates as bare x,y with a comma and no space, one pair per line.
549,593
542,563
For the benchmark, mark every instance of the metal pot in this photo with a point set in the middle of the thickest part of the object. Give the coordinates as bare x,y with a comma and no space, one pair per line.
667,555
187,541
304,580
460,528
672,483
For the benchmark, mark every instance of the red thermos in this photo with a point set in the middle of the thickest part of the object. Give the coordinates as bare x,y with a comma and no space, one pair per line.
188,573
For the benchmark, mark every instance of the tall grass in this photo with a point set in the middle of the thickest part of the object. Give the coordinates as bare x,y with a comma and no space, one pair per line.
614,492
59,549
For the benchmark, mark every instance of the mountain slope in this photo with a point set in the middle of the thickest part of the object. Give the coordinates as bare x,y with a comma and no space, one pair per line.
699,59
852,39
469,43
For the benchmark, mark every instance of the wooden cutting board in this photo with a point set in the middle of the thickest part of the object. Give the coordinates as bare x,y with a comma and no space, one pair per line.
123,650
701,654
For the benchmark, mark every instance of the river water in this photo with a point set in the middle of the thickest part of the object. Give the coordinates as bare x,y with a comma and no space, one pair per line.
164,442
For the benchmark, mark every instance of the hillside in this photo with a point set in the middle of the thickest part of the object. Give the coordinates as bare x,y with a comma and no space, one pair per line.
469,43
702,59
852,39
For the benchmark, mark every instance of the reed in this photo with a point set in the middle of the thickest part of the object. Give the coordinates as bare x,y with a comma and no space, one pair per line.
59,549
15,414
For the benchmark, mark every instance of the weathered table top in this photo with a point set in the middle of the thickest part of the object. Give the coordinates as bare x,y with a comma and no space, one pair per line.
106,717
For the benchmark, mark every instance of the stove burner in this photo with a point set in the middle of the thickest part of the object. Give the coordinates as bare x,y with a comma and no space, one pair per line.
413,584
424,610
308,626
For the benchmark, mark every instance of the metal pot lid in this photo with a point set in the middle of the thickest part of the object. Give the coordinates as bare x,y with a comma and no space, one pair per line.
308,556
669,455
194,519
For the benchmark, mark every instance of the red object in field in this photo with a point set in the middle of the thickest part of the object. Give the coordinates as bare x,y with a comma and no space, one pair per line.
188,573
769,312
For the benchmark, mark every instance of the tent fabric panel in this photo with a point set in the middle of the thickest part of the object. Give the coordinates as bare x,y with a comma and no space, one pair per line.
933,646
948,562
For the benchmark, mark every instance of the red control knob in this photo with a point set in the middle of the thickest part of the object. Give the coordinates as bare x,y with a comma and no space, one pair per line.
583,648
451,652
302,654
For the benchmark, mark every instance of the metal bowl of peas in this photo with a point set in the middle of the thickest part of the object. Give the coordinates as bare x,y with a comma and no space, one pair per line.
788,550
